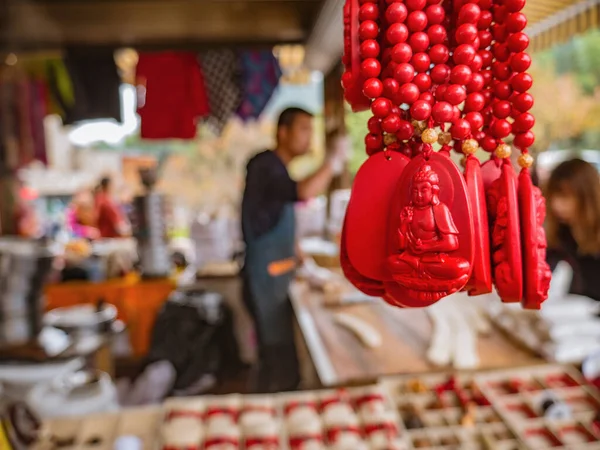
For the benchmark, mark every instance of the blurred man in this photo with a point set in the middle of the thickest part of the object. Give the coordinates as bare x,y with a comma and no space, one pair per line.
268,227
110,218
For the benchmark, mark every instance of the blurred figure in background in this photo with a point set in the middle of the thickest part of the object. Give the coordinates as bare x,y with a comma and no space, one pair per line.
573,223
111,220
81,216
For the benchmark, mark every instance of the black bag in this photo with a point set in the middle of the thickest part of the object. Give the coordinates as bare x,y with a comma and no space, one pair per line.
194,331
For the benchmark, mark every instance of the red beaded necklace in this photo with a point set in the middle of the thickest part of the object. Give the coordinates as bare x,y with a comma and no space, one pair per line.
451,74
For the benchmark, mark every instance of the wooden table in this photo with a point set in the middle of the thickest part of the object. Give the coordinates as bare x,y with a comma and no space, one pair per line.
339,358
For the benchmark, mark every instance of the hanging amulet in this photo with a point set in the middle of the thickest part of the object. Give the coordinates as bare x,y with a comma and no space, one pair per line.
431,241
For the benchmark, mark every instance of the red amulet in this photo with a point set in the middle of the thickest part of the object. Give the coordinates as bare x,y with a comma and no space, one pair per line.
430,243
367,214
507,263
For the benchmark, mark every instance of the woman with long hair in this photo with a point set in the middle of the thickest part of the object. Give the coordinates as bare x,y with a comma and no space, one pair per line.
573,223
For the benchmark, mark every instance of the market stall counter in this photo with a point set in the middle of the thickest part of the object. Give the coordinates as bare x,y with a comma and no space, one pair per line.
137,301
341,356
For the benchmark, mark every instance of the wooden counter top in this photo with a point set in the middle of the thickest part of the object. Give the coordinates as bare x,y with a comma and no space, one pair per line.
339,357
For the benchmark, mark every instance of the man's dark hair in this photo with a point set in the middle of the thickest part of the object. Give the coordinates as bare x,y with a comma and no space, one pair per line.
105,183
288,115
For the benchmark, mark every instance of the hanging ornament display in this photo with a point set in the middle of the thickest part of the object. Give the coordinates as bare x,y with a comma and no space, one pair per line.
442,75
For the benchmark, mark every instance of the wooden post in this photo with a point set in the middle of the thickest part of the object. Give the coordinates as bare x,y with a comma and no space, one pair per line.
334,117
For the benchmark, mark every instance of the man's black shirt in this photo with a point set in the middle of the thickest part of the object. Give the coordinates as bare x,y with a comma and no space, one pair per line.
268,189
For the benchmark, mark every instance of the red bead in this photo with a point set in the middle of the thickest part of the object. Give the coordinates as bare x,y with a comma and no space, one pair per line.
423,82
514,5
500,13
437,34
524,140
475,119
464,54
466,33
485,20
516,22
474,102
427,97
501,109
417,148
460,129
476,83
396,33
416,21
461,74
440,92
368,30
402,53
499,32
488,143
485,4
381,107
502,90
374,125
414,5
435,14
404,73
369,49
501,52
521,82
487,77
347,80
469,13
409,93
390,88
440,74
421,62
518,42
477,64
500,128
439,54
373,88
487,94
368,11
396,111
370,68
523,102
434,2
455,113
485,39
520,62
455,94
501,71
405,131
442,112
523,122
420,110
373,143
486,58
419,41
391,123
396,13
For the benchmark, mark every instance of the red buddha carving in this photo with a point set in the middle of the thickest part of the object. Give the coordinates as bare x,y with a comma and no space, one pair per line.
427,238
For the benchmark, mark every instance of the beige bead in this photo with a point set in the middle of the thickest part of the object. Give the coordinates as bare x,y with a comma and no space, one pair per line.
470,146
429,136
503,151
389,139
420,125
444,138
525,160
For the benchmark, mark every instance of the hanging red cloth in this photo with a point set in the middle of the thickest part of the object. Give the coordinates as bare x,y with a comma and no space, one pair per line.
173,95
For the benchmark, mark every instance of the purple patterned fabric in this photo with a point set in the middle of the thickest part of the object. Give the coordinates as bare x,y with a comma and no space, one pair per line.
261,73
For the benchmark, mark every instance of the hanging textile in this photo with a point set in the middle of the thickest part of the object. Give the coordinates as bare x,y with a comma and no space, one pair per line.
174,95
260,78
96,84
53,74
222,72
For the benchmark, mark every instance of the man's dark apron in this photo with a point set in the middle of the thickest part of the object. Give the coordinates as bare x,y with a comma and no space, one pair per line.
267,277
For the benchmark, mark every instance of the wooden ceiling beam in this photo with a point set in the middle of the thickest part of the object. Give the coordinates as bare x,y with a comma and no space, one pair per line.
144,22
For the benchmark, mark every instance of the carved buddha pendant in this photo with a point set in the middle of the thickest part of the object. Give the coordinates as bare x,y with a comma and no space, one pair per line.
431,241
